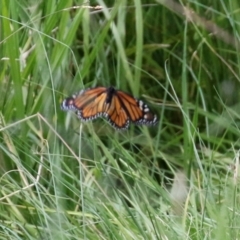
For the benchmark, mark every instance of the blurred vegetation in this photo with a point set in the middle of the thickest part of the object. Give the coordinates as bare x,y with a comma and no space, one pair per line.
61,178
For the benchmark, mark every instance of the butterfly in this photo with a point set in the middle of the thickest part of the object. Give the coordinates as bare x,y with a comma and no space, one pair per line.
118,107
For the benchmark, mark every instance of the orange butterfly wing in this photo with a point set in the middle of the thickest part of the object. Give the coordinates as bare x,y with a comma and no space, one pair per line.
94,106
137,110
88,103
116,114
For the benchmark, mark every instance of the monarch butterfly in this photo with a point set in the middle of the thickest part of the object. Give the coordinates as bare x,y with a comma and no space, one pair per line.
118,107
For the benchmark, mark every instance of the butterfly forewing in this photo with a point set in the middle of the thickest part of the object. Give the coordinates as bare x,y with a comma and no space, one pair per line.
148,117
86,97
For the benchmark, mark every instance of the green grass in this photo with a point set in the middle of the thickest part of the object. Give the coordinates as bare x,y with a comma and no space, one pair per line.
64,179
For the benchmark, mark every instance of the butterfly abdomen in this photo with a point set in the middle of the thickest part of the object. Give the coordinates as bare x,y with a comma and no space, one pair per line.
110,92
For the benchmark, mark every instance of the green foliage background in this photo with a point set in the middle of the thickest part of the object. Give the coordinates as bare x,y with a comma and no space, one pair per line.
63,179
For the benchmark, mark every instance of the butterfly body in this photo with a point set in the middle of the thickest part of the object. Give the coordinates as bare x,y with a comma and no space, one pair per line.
118,107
